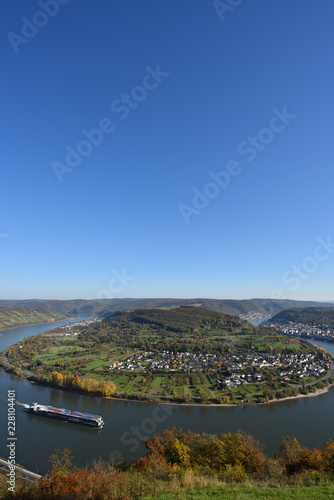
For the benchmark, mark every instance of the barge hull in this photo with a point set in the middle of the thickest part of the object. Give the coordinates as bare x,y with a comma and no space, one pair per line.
76,417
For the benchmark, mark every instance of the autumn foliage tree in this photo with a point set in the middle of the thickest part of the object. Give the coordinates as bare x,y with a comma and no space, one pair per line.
176,454
90,385
107,388
296,459
56,378
208,451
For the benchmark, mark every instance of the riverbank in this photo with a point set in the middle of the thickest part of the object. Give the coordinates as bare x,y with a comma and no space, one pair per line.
318,392
9,369
72,384
268,423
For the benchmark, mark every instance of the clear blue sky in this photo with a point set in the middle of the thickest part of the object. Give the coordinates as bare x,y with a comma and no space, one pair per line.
180,91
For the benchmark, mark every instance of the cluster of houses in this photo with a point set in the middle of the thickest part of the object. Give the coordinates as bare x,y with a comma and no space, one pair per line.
85,322
238,378
306,331
71,326
169,361
285,367
238,369
252,315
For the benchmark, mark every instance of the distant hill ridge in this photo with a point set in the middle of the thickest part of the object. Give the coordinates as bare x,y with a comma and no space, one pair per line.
265,307
322,316
22,316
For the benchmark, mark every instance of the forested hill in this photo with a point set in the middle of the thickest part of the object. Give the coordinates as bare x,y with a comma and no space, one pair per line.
322,316
105,307
10,317
178,354
180,319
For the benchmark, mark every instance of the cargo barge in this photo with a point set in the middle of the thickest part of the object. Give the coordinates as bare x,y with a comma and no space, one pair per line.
76,417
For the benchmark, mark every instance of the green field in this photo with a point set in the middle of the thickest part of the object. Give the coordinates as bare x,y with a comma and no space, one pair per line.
127,336
239,492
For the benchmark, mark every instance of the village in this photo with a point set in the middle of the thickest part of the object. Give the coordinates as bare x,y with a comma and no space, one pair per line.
73,326
305,331
245,368
85,322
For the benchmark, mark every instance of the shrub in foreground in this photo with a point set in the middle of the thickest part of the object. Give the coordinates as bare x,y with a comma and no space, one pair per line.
178,460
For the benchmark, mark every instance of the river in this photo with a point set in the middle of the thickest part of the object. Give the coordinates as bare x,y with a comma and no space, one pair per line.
309,419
